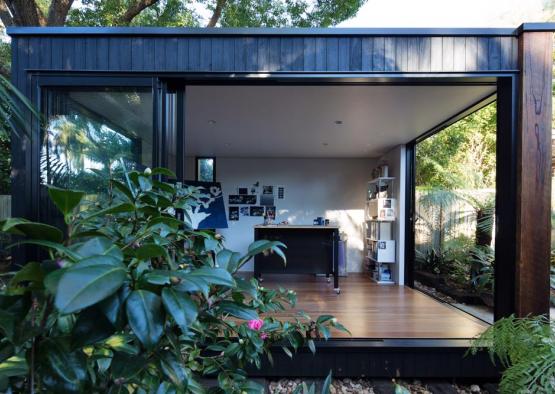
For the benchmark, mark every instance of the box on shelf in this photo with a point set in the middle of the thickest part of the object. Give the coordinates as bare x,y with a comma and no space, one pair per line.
382,251
382,209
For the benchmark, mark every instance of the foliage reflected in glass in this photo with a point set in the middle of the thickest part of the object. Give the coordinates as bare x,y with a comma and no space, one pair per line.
455,210
206,169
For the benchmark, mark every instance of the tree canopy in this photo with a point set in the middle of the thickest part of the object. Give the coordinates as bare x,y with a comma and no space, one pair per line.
224,13
462,155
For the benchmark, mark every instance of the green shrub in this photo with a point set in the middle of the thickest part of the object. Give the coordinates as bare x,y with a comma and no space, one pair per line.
526,348
130,299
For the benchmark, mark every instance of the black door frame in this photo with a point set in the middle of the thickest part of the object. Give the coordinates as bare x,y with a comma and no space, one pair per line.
162,82
505,193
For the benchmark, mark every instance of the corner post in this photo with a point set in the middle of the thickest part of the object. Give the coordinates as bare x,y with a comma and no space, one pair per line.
533,175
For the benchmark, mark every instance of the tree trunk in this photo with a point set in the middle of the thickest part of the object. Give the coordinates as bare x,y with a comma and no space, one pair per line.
25,13
57,13
217,13
134,10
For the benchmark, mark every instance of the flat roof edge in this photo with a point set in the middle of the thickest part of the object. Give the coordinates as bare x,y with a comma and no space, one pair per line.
186,31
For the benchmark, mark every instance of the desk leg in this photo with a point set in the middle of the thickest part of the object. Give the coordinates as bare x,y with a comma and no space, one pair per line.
336,261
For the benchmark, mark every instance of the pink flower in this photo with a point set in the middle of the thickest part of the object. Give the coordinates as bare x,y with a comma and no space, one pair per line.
255,324
263,336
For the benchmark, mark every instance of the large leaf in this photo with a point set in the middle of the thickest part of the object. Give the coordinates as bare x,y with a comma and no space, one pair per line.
14,366
99,246
68,367
88,282
145,316
228,260
180,306
54,246
31,275
163,171
213,276
32,230
127,366
7,324
150,250
174,370
65,200
120,208
91,327
239,311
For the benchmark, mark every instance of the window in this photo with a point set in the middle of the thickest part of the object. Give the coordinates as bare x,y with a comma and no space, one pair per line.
206,169
92,135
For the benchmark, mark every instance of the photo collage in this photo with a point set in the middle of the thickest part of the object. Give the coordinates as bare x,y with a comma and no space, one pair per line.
255,201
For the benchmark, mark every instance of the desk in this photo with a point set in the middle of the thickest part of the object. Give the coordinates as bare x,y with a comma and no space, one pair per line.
310,250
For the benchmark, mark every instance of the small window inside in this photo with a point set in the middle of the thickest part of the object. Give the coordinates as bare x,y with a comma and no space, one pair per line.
206,169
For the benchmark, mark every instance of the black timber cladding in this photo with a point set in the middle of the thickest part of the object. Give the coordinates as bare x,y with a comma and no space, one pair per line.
89,51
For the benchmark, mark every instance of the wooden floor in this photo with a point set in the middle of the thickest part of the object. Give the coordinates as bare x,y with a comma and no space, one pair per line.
369,310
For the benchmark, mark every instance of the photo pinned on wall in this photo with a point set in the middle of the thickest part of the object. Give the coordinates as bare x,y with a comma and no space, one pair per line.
243,191
244,211
267,190
242,199
254,188
233,214
281,192
256,211
267,199
271,213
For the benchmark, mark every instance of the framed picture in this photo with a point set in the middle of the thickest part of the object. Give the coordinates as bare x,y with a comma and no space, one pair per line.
267,190
244,211
256,211
281,192
242,199
267,199
271,212
242,190
233,214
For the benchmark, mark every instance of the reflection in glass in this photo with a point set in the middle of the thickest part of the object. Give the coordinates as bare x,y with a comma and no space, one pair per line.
454,213
205,169
93,135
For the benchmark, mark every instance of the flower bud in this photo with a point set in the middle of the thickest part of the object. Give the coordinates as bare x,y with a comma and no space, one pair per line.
174,280
148,171
241,341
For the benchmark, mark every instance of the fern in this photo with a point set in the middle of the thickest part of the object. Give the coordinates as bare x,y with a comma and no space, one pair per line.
526,349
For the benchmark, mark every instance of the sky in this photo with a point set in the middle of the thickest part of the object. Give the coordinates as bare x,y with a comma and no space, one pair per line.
448,13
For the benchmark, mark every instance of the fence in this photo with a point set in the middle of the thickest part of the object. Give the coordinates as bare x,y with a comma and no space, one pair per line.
443,215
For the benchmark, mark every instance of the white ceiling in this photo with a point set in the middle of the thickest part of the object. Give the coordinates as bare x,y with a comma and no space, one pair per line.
299,121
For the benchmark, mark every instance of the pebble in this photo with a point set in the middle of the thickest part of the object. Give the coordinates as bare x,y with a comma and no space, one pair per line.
475,389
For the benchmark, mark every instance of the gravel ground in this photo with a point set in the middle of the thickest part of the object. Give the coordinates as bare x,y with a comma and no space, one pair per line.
366,386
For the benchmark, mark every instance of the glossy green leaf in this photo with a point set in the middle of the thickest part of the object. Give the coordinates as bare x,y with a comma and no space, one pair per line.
213,276
327,384
88,282
311,346
228,260
52,279
69,367
145,316
14,366
145,183
65,200
33,230
99,246
149,251
239,311
91,327
31,275
180,306
112,210
7,324
174,370
54,246
127,366
163,171
123,189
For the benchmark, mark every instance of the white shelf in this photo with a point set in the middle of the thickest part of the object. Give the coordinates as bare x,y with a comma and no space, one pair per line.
382,178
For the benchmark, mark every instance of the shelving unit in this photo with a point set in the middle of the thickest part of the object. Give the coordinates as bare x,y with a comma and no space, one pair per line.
380,217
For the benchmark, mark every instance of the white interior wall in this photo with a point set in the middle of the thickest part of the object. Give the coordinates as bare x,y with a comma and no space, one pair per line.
331,188
396,160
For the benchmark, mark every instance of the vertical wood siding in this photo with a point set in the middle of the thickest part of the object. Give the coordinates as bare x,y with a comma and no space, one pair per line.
267,54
